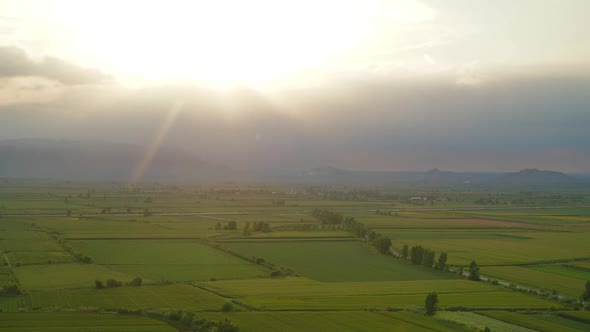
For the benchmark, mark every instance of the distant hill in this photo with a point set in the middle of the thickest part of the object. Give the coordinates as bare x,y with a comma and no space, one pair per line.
533,176
90,160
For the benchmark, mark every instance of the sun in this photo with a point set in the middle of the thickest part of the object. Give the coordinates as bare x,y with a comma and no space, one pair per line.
253,42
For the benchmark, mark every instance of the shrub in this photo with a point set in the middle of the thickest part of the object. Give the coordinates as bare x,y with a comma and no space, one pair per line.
137,281
227,307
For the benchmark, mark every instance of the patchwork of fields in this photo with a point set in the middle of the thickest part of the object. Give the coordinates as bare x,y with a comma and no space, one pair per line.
296,274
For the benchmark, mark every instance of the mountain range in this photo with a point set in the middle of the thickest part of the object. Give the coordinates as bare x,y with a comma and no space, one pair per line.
103,161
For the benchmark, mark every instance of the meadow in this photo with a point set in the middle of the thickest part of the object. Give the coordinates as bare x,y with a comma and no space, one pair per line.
295,273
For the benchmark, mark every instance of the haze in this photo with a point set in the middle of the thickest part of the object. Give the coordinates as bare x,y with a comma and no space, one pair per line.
374,85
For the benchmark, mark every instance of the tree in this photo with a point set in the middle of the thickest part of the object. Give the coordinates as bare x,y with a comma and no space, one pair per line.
586,295
217,226
416,255
112,283
247,228
137,281
227,307
232,225
428,258
405,252
383,244
474,271
442,261
98,284
430,303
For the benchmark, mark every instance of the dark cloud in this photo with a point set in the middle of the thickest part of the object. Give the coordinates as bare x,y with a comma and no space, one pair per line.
14,62
502,125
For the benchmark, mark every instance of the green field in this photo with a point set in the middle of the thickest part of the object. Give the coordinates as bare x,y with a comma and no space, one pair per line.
331,261
177,296
190,264
479,322
531,322
331,321
76,322
63,276
541,277
300,293
174,260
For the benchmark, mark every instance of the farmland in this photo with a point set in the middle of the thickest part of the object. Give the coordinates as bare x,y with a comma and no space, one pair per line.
144,259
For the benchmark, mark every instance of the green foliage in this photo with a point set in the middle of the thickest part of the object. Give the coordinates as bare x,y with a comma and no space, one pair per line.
137,281
112,283
428,258
431,302
417,255
405,252
227,307
327,217
10,290
98,284
442,261
226,326
474,271
586,294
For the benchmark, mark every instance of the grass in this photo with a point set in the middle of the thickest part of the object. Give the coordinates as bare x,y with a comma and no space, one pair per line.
63,276
479,322
11,303
177,296
518,248
175,260
70,322
317,321
559,320
581,316
39,257
427,322
301,293
527,321
334,261
537,277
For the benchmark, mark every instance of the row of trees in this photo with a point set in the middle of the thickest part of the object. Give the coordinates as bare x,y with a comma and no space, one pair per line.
378,241
75,253
423,256
327,217
113,283
231,225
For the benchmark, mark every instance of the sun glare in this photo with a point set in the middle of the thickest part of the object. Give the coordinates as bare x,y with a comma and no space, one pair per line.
250,42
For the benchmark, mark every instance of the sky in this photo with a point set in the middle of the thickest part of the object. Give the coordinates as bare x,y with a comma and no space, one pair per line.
376,85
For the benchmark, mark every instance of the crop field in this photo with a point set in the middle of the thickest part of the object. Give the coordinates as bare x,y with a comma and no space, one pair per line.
60,276
479,322
331,261
330,321
295,273
173,260
524,247
301,293
75,322
176,296
539,277
528,321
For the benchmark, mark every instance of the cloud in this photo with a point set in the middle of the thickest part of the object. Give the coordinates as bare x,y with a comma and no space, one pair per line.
14,62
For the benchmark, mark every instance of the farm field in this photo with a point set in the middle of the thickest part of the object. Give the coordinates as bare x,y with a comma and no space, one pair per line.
332,321
295,273
330,261
301,293
528,321
75,322
540,277
479,322
174,260
175,296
